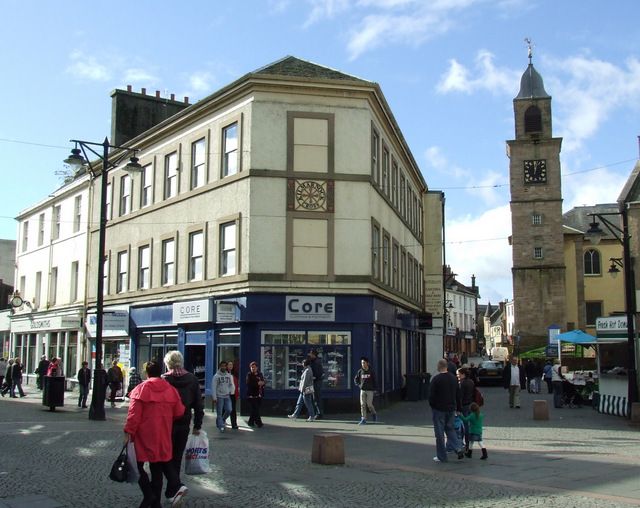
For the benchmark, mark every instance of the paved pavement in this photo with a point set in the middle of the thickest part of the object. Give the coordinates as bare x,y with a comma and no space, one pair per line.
577,458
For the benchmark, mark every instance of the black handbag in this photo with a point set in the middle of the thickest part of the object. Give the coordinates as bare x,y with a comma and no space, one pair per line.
120,468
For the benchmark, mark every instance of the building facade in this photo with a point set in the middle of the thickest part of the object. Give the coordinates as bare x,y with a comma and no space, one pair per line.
51,272
281,214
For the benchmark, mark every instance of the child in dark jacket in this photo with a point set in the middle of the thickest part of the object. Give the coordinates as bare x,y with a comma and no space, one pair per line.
475,419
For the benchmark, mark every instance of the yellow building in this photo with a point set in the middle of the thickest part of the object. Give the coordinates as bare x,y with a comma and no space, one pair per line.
592,291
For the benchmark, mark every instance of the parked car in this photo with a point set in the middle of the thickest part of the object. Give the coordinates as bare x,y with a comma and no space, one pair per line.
490,372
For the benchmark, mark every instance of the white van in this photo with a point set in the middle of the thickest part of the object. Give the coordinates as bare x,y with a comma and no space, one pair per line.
499,354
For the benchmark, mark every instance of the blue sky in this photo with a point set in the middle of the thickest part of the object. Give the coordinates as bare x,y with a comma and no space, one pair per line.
448,68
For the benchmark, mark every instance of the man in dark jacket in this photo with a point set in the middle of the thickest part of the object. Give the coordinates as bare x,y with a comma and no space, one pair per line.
366,381
188,387
445,399
41,371
16,378
514,380
318,374
116,377
84,381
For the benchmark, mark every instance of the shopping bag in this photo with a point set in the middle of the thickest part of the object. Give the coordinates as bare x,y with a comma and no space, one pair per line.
120,468
133,474
196,454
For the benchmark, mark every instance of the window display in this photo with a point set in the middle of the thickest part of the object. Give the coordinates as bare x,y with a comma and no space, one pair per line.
284,352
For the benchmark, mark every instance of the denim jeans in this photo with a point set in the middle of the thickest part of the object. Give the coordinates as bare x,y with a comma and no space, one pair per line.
83,392
443,425
223,410
557,394
307,400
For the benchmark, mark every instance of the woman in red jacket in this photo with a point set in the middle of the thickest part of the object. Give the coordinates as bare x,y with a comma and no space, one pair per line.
155,404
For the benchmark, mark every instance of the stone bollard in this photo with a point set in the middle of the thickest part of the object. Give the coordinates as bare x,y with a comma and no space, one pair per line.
327,449
540,410
635,412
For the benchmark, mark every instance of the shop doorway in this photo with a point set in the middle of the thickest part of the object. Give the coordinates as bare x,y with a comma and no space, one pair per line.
229,352
194,361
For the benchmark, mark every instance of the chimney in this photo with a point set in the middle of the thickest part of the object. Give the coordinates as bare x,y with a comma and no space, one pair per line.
134,113
186,100
173,97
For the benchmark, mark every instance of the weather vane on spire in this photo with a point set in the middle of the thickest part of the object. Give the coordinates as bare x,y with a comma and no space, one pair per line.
529,48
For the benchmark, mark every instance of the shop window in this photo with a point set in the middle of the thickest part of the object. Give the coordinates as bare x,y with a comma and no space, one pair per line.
283,354
153,346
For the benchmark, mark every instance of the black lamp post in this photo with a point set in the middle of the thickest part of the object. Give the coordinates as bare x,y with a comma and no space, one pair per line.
78,158
622,235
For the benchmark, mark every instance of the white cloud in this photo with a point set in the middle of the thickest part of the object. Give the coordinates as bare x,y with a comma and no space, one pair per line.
485,76
87,67
324,9
279,5
478,245
484,188
136,75
201,82
593,187
588,91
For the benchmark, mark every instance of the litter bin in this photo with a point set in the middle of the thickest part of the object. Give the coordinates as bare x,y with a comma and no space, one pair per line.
413,386
53,392
424,385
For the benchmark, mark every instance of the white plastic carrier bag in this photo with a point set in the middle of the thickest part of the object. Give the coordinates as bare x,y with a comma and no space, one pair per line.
196,454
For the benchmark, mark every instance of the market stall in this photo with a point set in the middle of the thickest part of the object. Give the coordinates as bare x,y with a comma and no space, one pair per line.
580,384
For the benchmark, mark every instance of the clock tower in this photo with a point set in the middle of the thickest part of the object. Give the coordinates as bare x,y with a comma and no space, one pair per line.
539,289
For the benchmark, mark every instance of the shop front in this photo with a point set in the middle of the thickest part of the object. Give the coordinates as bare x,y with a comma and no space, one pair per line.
56,335
613,363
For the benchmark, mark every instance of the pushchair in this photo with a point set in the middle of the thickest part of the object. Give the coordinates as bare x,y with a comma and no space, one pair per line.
571,397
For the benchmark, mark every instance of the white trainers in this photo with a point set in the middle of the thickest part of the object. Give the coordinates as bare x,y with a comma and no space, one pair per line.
311,419
179,497
293,417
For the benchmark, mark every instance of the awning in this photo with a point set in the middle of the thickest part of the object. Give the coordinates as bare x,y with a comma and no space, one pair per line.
576,337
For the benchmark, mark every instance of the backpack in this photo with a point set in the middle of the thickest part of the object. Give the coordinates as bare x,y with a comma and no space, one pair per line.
478,398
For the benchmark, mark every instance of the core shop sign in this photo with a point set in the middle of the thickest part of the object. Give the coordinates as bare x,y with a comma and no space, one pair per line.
310,308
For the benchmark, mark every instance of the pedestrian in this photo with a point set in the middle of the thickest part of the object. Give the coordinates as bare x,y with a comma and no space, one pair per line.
514,380
475,421
546,373
467,389
318,375
188,388
445,400
116,378
556,381
255,392
7,378
134,380
3,369
530,372
464,358
84,381
54,369
155,404
223,387
537,377
234,396
306,393
451,367
16,379
473,373
366,381
41,371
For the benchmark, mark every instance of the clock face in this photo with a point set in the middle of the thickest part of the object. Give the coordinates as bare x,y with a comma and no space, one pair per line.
311,195
535,171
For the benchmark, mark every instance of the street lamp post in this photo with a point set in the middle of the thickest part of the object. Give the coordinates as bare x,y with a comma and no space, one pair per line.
78,158
594,234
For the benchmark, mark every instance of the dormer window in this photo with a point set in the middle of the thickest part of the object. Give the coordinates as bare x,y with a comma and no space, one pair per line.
532,120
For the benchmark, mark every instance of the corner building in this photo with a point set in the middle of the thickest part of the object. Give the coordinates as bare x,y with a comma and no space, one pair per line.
283,213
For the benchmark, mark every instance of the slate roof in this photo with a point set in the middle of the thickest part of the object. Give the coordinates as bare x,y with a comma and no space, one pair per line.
295,67
579,218
531,85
